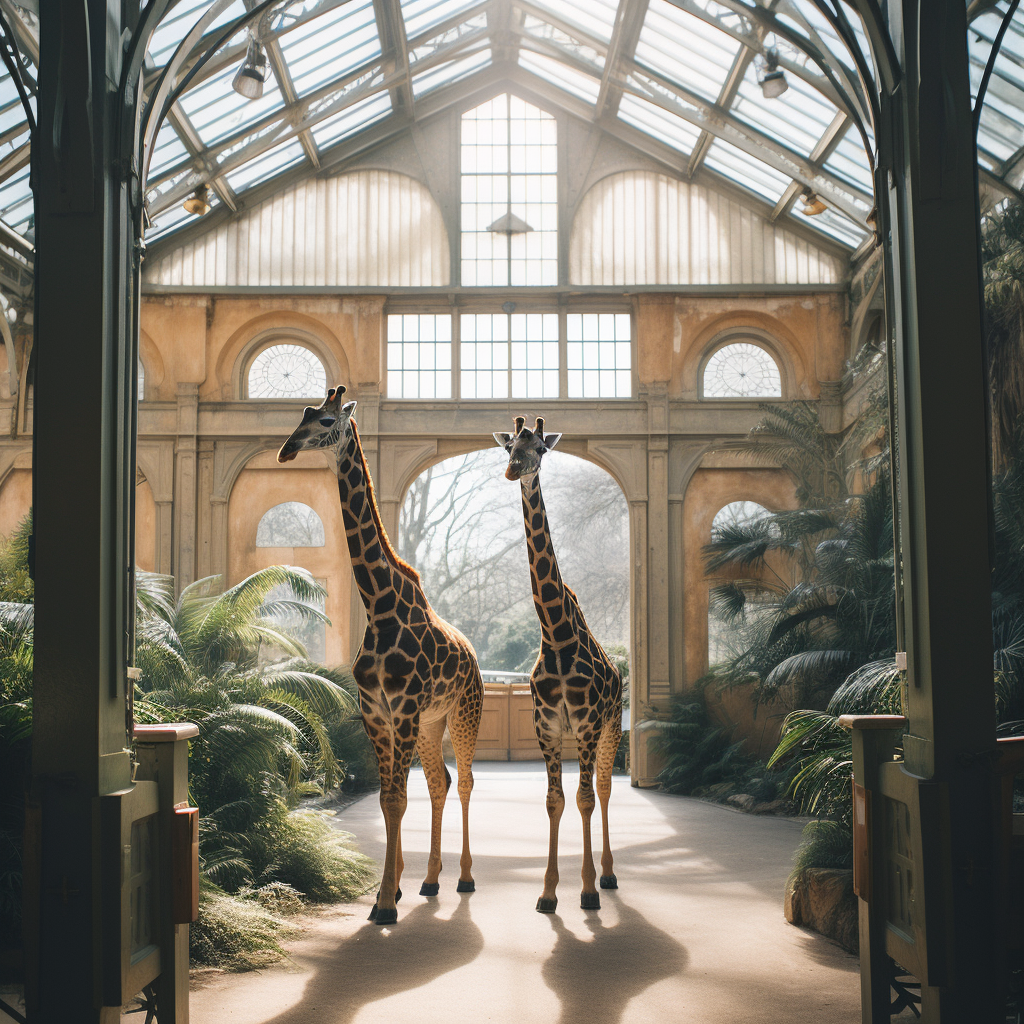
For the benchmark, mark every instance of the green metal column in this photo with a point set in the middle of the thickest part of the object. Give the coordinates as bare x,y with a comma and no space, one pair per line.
82,490
927,186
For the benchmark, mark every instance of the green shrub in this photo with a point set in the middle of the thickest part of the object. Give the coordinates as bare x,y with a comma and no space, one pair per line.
234,933
826,844
304,850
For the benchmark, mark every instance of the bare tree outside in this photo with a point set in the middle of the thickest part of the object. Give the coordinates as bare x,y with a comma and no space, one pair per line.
461,525
290,525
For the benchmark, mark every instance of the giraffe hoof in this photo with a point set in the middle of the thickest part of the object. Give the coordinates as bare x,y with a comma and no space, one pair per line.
609,882
386,915
373,914
546,906
588,901
469,886
430,889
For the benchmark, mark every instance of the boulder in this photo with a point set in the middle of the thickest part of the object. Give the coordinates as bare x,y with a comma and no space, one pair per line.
823,899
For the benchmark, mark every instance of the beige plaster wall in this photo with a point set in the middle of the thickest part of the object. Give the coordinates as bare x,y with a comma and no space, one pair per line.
262,485
677,334
15,496
145,527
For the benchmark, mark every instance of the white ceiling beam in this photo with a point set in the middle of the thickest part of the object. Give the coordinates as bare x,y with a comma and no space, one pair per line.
823,149
629,22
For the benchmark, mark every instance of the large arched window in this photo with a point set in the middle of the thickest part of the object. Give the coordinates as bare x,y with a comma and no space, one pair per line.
290,525
736,513
741,369
286,370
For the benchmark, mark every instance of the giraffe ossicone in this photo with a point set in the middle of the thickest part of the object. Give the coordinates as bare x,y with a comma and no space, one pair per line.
573,683
415,672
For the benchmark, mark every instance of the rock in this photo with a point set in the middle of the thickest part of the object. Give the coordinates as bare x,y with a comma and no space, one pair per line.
773,807
744,801
823,899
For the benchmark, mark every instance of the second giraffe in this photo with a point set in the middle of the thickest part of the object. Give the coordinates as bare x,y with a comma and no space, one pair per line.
574,684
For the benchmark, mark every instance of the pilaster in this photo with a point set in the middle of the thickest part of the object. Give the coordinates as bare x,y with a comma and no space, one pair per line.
186,458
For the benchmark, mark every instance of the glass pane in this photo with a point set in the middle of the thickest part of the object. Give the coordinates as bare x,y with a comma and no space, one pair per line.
742,370
419,344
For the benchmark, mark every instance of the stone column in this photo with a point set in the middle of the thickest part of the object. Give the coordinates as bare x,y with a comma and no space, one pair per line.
186,457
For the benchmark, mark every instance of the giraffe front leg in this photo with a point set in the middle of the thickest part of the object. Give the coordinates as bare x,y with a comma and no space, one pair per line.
428,746
590,899
393,803
607,747
550,737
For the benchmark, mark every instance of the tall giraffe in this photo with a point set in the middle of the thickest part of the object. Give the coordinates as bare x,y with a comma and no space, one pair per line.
574,684
415,672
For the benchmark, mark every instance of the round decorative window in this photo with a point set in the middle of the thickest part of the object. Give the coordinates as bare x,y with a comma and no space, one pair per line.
742,370
286,371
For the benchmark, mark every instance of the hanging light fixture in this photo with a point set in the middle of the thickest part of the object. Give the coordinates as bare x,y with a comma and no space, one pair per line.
249,78
812,204
771,76
199,202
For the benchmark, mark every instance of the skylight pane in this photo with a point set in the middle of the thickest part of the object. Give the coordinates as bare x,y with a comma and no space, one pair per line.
595,17
578,47
267,165
172,217
685,49
798,118
421,15
747,171
216,110
168,151
850,161
12,113
664,126
565,77
328,47
16,204
445,74
352,119
175,26
835,224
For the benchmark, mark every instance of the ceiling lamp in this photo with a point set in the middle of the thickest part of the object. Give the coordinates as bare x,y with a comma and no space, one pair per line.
249,78
812,204
771,76
510,224
199,202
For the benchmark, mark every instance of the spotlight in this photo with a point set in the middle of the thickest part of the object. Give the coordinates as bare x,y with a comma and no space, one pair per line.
249,78
771,76
812,204
199,202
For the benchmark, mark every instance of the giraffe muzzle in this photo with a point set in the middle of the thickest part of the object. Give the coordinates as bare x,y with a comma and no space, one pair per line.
288,452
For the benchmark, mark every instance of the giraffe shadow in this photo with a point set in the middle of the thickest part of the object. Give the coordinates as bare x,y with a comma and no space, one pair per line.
376,963
595,979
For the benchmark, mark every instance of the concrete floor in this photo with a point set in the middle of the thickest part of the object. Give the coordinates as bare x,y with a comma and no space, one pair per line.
695,931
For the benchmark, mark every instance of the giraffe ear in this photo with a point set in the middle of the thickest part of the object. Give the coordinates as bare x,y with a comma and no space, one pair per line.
550,440
347,409
502,440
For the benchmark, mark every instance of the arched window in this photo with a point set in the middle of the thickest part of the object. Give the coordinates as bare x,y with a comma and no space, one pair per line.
290,525
727,625
742,369
736,513
142,381
286,371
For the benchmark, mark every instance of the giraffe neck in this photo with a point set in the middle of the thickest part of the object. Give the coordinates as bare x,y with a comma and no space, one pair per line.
550,597
388,587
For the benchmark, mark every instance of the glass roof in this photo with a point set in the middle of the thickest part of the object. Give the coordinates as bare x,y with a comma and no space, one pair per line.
680,80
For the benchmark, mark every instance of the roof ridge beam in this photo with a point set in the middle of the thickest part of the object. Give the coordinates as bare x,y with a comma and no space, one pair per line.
395,46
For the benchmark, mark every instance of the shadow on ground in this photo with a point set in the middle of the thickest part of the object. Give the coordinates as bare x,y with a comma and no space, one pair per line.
376,963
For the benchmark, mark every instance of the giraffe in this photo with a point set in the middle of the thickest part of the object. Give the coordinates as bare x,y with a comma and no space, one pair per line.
415,672
574,684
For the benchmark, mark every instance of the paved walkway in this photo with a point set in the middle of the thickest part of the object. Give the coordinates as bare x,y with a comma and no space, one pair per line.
695,931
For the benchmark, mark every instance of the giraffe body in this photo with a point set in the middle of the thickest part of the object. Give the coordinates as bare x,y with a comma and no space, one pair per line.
574,684
415,672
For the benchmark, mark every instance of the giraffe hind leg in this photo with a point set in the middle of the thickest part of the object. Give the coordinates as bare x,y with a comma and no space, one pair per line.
607,747
428,746
463,726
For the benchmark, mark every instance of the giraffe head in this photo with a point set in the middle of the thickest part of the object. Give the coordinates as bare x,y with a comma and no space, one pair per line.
322,427
525,448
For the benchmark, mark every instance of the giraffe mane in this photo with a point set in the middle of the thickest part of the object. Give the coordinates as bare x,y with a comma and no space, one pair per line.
399,563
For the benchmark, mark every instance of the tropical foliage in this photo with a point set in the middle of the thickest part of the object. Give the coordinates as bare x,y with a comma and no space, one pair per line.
273,729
